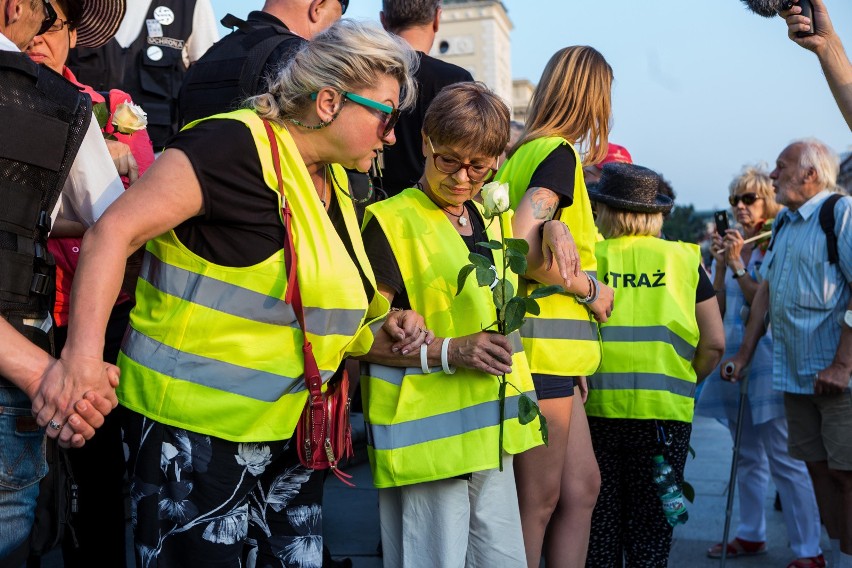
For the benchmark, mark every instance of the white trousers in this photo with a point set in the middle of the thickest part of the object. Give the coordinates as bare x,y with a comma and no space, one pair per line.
454,523
763,450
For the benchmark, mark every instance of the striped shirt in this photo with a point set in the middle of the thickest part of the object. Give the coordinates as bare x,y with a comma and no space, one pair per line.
807,296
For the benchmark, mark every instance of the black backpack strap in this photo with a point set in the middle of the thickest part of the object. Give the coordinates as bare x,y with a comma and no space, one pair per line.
231,21
252,71
775,230
826,221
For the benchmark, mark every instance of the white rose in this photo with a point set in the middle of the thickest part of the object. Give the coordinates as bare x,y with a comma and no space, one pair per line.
128,118
495,198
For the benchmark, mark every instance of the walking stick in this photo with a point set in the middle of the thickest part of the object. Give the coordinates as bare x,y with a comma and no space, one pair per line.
729,509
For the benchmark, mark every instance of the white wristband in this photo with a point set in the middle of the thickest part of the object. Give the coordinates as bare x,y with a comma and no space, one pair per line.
424,360
445,364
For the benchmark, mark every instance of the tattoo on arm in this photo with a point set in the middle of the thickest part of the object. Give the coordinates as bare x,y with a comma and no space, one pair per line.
544,202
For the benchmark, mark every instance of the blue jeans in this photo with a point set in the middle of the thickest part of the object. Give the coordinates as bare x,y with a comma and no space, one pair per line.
22,465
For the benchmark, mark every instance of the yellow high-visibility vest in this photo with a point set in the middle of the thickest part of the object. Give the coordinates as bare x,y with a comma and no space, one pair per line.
563,339
215,349
650,340
423,427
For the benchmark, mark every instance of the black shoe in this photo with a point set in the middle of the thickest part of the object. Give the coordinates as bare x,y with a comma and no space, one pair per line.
777,502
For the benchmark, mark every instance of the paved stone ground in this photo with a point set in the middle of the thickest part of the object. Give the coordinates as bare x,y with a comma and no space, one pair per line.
352,517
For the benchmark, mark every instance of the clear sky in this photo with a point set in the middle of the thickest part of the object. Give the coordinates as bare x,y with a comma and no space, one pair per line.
701,88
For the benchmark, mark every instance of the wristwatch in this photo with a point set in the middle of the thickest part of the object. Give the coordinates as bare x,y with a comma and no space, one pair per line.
847,318
739,273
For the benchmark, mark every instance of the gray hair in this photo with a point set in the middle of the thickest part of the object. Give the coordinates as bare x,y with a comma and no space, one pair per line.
402,14
348,56
825,162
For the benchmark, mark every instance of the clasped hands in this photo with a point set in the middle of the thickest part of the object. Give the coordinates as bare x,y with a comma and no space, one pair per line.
72,397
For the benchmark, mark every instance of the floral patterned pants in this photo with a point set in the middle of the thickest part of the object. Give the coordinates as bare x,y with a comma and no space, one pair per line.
198,500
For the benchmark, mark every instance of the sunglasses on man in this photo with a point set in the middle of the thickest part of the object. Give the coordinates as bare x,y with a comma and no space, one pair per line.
49,17
344,4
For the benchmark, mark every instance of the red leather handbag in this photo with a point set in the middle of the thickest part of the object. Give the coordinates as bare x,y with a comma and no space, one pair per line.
323,434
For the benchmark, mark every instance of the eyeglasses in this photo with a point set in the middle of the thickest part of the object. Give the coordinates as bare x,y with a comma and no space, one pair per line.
448,165
746,198
57,26
391,114
49,17
343,5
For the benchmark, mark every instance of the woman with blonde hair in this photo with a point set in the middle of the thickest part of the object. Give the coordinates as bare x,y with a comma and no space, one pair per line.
558,484
664,338
763,432
241,210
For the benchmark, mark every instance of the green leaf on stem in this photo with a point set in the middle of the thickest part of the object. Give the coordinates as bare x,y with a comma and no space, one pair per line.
485,276
544,292
532,306
519,245
542,427
463,274
688,491
527,410
101,114
479,260
513,314
492,244
518,264
503,292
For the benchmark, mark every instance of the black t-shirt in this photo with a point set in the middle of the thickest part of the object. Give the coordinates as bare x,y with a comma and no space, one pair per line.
705,290
240,225
556,173
386,267
404,161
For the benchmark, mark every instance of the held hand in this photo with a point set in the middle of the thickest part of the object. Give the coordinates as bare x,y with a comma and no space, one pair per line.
558,244
831,380
798,23
483,351
733,243
65,382
717,249
408,329
90,412
602,307
123,159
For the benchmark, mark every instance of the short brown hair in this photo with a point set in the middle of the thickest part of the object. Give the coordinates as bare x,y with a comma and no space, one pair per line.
403,14
468,116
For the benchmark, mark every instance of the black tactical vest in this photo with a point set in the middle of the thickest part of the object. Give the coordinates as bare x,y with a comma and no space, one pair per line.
233,69
150,70
43,120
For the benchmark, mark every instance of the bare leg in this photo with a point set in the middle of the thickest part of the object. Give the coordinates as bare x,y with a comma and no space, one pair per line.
538,476
568,533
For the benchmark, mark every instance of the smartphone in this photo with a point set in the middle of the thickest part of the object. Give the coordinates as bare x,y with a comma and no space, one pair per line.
721,218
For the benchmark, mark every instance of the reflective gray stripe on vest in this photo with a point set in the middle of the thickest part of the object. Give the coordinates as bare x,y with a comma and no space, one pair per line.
242,302
642,381
456,423
650,333
541,328
219,375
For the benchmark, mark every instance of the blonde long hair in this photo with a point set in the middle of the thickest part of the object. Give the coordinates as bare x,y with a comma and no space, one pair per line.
573,100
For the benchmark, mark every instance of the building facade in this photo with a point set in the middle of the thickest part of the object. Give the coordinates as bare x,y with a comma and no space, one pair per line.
474,34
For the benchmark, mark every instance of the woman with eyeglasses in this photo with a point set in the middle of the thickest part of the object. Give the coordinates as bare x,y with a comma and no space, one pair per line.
213,364
763,438
98,467
569,113
433,428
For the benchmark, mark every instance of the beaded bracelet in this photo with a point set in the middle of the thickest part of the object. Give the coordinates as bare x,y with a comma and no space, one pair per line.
594,291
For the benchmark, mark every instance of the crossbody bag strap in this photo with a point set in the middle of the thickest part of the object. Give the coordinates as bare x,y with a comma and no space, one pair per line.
313,379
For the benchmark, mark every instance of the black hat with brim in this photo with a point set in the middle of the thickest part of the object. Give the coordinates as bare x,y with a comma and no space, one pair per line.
100,21
630,187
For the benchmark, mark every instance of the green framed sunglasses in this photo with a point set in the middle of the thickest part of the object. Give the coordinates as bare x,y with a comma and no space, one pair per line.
391,114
